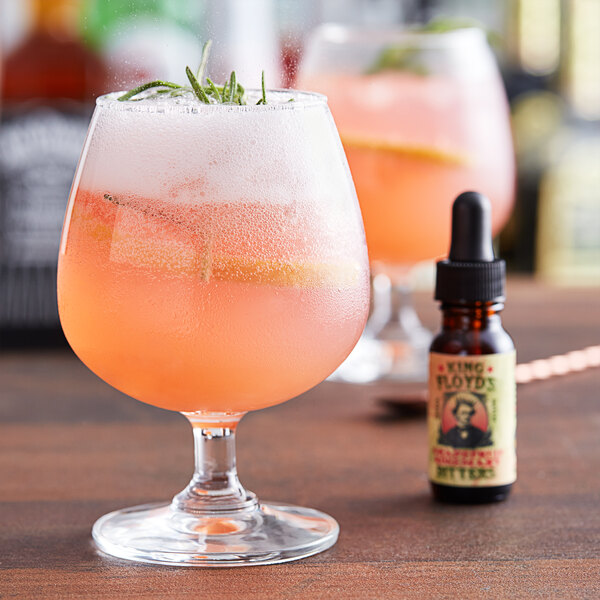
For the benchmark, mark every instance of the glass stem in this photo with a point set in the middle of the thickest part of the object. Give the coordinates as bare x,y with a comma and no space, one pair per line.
215,486
381,299
402,309
393,316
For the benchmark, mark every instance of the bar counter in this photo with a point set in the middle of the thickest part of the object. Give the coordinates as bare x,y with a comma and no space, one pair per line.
73,449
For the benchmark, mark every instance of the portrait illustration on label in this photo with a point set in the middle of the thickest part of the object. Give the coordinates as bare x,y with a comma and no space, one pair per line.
464,421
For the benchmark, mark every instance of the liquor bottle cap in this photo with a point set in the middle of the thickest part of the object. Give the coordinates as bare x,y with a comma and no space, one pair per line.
471,273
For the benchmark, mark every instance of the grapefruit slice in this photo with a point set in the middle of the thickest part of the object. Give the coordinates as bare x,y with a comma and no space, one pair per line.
420,152
180,256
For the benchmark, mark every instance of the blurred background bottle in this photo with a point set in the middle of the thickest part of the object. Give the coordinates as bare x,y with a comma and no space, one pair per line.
141,40
49,79
552,74
568,225
245,39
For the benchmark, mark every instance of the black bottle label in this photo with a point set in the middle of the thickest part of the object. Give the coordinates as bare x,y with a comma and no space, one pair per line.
472,419
38,156
39,150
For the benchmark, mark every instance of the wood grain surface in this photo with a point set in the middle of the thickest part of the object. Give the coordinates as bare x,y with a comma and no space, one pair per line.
72,449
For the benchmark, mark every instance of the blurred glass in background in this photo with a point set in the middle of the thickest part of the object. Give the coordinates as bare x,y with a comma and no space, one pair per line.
57,55
422,115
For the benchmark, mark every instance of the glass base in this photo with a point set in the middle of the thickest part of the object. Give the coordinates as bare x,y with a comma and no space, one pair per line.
394,346
366,363
407,360
385,360
263,535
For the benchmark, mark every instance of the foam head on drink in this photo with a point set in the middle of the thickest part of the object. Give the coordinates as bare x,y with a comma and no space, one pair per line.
209,258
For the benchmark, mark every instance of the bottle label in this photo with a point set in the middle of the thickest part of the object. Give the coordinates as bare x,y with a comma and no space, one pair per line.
472,419
38,156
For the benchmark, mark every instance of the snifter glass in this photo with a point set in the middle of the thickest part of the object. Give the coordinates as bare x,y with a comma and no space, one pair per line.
423,117
213,262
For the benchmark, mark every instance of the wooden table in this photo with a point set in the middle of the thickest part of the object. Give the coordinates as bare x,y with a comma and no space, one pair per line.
73,449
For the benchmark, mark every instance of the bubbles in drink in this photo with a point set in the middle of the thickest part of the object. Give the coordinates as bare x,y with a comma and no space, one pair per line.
215,253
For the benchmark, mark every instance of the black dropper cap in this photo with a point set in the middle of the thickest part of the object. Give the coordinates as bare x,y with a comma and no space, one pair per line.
471,273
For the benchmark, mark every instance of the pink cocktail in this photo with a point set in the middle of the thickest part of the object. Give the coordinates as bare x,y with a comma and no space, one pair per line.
423,117
213,261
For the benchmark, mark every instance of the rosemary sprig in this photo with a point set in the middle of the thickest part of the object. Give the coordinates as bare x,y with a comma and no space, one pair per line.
203,60
398,58
200,93
406,57
146,86
232,86
154,213
213,88
231,92
263,100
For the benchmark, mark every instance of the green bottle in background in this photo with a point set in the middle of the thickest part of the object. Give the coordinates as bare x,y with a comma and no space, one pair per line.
141,40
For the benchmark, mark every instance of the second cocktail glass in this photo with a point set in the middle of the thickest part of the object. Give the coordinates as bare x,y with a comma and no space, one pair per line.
213,262
423,117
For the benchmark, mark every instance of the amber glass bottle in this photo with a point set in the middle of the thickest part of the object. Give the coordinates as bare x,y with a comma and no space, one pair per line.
48,86
472,399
